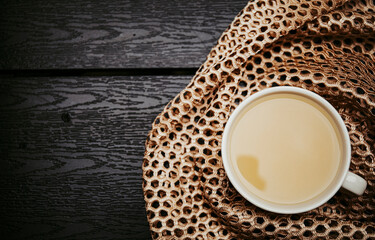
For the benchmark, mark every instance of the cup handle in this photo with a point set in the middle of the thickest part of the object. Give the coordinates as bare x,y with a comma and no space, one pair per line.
354,183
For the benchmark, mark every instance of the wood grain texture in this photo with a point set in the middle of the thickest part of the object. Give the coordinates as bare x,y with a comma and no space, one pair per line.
71,150
59,34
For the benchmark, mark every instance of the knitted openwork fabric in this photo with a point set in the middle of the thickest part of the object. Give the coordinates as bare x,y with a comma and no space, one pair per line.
324,46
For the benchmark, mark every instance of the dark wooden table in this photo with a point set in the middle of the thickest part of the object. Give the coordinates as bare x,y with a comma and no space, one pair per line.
80,84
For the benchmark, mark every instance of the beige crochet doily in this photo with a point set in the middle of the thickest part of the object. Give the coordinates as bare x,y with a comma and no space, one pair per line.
323,46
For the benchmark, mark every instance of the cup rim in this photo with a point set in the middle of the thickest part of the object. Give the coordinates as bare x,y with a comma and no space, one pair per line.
334,114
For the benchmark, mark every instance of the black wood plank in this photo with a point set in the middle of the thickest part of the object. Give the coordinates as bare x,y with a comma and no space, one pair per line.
59,34
71,150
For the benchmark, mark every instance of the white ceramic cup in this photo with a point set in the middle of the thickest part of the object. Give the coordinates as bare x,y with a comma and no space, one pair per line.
344,178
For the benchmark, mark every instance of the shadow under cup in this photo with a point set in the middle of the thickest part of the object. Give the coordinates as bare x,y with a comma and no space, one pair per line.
233,173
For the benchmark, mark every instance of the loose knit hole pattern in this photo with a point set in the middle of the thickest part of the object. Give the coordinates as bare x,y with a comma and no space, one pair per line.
323,46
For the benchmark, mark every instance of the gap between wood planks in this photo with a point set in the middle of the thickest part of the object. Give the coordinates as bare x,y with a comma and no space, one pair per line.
97,72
